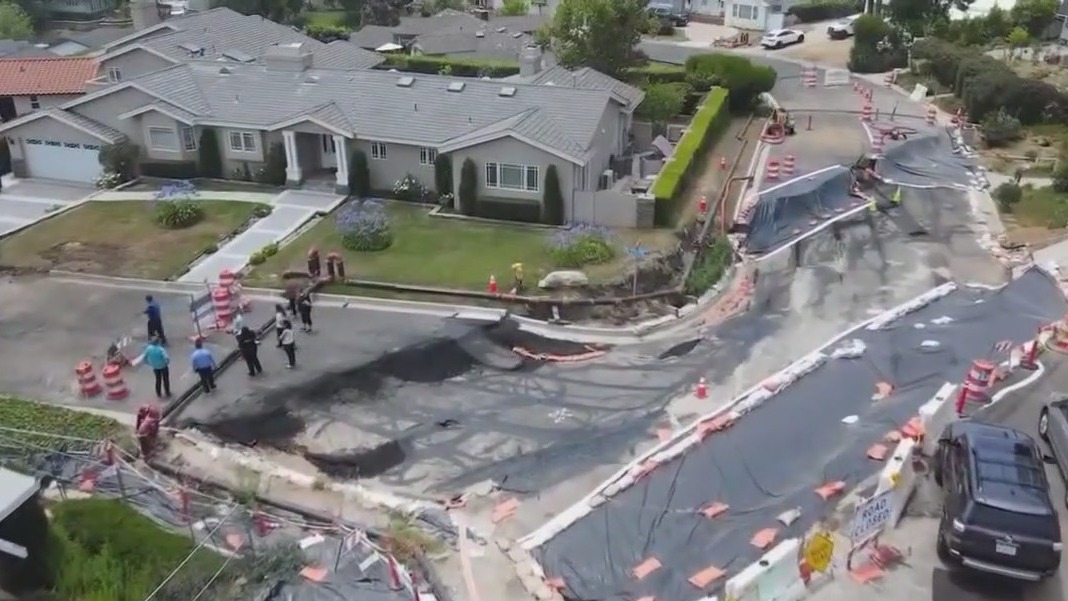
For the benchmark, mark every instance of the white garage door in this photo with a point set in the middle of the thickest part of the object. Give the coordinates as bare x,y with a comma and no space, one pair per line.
66,161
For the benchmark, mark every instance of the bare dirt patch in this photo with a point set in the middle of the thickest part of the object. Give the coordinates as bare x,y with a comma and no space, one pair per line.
86,257
1036,152
818,49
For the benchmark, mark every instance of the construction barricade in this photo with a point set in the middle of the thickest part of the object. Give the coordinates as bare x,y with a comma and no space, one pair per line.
114,382
88,385
772,172
789,165
867,113
808,77
932,115
776,576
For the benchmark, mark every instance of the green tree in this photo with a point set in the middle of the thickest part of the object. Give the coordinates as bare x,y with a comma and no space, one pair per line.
443,174
552,202
601,34
1018,38
208,157
662,102
275,10
515,8
1034,16
359,175
915,16
467,201
273,171
997,23
15,23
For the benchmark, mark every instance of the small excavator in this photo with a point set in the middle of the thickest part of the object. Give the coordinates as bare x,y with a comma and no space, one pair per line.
863,172
781,121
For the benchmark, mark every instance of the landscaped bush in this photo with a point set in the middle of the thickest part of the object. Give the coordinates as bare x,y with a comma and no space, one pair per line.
1060,177
170,169
507,209
273,171
177,207
459,67
553,198
877,46
468,197
209,160
5,157
119,158
443,175
359,175
364,226
824,10
326,33
581,245
409,188
743,79
709,266
1007,195
706,125
1001,129
654,73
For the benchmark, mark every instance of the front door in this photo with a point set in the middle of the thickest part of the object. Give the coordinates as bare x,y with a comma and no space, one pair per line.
327,153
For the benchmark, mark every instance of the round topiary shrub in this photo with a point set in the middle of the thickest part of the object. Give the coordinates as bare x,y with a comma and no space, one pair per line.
581,245
364,227
178,214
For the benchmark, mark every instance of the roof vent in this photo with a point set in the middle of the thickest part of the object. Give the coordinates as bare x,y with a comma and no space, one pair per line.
225,71
405,82
517,35
506,91
190,48
237,55
502,29
480,34
311,79
457,86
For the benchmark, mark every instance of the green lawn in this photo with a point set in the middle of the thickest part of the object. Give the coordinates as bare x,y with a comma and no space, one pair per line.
442,252
1041,207
29,424
326,17
121,238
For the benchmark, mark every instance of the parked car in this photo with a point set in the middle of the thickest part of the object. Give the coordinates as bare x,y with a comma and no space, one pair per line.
997,516
669,14
781,37
1053,428
842,29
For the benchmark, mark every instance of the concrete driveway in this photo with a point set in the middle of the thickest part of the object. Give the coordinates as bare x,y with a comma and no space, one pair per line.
23,202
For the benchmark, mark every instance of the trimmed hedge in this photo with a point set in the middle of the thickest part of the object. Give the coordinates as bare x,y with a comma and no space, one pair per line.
460,67
825,10
654,73
986,85
508,210
171,169
705,127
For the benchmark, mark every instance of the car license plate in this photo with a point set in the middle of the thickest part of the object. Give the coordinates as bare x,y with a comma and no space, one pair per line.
1005,548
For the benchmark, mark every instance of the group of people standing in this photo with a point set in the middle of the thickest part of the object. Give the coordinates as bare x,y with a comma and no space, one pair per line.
201,358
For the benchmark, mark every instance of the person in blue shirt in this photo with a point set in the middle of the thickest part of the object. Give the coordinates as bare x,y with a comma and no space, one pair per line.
155,320
204,365
156,357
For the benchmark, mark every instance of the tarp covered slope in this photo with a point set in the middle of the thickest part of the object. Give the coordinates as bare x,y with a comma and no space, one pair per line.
660,515
929,161
783,214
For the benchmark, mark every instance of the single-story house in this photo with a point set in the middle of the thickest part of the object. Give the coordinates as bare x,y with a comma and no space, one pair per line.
758,15
31,83
78,10
219,34
512,131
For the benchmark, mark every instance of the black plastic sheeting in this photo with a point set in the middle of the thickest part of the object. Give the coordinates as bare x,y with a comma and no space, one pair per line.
658,517
930,160
355,571
783,214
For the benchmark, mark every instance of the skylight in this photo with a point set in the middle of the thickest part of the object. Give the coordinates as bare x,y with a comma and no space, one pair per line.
506,91
191,48
238,56
457,86
405,82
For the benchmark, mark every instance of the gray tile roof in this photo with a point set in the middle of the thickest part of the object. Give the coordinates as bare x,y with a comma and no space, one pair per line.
222,30
371,105
370,37
503,46
112,135
589,79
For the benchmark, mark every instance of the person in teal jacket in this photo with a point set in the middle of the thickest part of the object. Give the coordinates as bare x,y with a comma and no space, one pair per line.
157,358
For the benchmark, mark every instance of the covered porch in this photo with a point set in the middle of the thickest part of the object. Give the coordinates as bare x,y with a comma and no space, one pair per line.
316,157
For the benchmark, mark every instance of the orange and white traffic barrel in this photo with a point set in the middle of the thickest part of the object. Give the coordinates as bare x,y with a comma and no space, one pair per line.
221,303
114,382
932,115
227,278
789,163
867,113
772,172
88,385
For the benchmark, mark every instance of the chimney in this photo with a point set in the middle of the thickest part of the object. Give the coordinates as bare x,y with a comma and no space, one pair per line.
288,57
144,13
529,61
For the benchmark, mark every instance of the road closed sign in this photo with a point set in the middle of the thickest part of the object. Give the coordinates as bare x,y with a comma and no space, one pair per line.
871,517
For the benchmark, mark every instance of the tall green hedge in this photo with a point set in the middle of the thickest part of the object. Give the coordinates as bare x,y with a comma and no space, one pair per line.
460,67
709,122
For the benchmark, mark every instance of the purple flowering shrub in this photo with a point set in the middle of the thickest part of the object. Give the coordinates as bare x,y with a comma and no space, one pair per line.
177,206
581,245
364,226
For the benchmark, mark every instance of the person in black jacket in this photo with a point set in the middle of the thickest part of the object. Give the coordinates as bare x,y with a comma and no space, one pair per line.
249,347
304,308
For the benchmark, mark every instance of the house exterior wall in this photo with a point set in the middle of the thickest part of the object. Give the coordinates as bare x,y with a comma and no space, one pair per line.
42,129
745,14
24,106
134,64
401,159
154,119
511,151
607,143
106,110
73,9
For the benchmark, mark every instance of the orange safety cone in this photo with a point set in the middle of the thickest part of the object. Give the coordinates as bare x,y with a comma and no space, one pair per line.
702,205
114,383
394,574
491,287
702,389
723,163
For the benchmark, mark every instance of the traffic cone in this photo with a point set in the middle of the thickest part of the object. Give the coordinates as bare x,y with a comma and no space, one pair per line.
702,389
723,163
873,207
491,287
702,205
896,198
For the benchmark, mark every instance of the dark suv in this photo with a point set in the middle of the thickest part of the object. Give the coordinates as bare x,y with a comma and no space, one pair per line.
668,14
997,516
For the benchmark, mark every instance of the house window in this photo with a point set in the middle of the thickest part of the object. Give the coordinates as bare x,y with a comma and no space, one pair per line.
427,156
512,177
242,141
744,11
35,102
189,137
162,138
114,74
378,150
